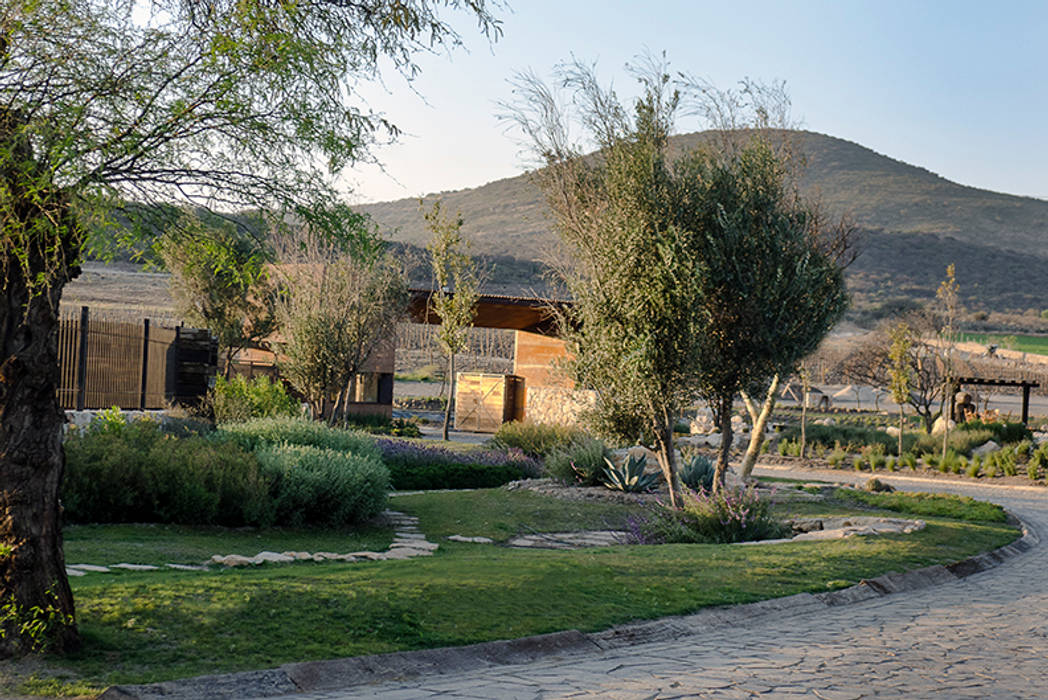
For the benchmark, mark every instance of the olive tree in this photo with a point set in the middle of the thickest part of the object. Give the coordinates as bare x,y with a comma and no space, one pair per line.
119,104
683,271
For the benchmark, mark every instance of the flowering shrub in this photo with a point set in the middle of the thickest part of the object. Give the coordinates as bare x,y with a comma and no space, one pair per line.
728,516
416,466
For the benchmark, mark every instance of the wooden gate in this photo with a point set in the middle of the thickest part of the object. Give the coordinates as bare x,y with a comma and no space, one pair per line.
483,402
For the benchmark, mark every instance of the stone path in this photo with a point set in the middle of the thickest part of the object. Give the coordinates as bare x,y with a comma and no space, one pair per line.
408,542
982,636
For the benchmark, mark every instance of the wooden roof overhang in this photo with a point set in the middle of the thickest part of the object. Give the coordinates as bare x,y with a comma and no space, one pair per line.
531,314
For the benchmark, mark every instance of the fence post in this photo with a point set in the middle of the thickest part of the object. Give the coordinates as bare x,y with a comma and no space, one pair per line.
81,365
145,364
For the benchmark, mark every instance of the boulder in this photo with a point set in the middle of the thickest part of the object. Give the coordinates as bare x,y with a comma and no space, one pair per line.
702,424
892,430
937,426
985,448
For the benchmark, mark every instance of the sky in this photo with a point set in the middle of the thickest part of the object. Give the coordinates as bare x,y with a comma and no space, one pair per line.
959,88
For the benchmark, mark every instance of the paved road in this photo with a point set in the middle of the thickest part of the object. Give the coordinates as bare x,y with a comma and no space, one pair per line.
983,636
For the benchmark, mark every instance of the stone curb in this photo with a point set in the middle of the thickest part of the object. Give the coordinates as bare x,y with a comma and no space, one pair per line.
359,670
842,475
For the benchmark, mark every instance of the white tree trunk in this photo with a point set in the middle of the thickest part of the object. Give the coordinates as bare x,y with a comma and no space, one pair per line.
758,422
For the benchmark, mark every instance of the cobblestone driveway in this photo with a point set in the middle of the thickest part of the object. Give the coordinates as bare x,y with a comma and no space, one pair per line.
983,636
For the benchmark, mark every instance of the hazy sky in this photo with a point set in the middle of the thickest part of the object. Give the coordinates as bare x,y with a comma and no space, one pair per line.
959,88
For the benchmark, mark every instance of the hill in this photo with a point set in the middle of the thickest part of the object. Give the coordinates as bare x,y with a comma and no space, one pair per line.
915,223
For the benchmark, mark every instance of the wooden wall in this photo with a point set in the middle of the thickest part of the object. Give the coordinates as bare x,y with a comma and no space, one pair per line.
534,357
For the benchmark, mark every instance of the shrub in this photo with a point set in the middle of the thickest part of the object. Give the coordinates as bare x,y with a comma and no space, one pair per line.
908,459
836,458
1002,431
241,399
580,462
136,472
851,438
380,425
312,485
729,516
698,473
534,439
415,466
260,432
960,441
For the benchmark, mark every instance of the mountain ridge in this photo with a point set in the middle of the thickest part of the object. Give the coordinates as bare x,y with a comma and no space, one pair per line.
933,218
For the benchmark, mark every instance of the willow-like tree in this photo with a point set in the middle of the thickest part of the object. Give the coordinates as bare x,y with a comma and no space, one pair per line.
454,299
220,281
219,103
683,271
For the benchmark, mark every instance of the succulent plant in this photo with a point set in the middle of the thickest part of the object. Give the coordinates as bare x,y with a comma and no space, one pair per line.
698,473
630,477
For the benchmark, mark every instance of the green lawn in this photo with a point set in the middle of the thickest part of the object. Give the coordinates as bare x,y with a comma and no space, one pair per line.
178,544
141,627
1036,344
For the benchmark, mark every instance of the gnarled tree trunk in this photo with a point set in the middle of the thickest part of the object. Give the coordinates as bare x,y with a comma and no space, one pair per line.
724,414
33,582
758,422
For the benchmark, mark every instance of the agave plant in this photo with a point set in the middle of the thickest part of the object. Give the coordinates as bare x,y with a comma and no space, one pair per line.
698,473
630,477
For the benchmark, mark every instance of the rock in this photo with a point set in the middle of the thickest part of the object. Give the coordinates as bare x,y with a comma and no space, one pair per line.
231,560
272,557
478,540
733,480
186,567
92,568
985,448
415,544
702,424
875,485
75,572
892,430
136,567
937,426
714,440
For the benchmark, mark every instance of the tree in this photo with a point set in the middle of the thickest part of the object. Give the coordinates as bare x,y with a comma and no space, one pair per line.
120,105
899,372
679,269
947,296
338,303
219,281
457,290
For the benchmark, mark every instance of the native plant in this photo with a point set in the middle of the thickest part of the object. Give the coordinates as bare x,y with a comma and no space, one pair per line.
630,476
694,275
456,291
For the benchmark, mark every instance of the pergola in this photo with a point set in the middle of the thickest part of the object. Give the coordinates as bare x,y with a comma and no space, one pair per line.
533,315
977,381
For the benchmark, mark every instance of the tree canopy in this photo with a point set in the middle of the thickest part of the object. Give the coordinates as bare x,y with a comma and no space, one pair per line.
691,274
113,105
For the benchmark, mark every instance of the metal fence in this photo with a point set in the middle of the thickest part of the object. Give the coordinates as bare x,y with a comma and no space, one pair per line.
133,365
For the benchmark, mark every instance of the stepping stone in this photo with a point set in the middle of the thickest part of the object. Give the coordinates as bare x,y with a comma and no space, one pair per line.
478,540
414,544
187,567
374,556
136,567
231,560
272,557
301,556
409,535
75,572
91,568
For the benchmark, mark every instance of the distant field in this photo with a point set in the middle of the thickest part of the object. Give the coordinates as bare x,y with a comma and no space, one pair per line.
1036,344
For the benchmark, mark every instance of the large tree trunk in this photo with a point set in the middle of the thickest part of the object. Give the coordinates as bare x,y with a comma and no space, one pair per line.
724,414
758,422
33,583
